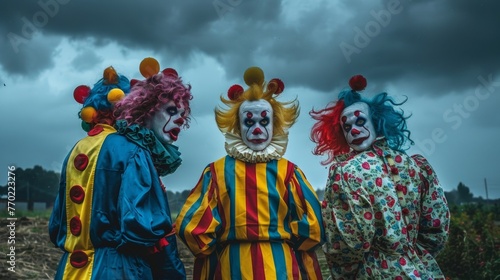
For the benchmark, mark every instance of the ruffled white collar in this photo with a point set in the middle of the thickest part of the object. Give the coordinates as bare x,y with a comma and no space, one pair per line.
236,148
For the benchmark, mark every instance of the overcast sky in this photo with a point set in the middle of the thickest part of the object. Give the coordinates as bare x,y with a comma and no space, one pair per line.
443,55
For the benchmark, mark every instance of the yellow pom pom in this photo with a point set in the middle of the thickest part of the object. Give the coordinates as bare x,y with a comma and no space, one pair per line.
149,67
254,75
87,114
115,95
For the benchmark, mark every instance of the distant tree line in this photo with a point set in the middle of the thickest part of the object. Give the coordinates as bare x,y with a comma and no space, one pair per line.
39,185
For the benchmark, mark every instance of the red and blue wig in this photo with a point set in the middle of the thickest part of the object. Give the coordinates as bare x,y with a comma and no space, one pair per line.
389,122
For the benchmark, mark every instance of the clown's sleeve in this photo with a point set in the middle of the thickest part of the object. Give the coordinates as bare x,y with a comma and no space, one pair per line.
435,216
142,205
198,220
348,232
306,224
305,209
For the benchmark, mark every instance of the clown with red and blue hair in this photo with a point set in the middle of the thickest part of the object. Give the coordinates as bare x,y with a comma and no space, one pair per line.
384,212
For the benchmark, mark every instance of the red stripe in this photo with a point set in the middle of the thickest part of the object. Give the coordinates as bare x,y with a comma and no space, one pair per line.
251,202
202,227
295,265
197,267
258,262
317,268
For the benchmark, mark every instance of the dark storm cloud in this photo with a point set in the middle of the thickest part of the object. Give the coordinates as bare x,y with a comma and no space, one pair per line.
444,44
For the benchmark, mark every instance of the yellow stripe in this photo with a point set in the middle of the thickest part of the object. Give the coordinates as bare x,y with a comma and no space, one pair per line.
262,200
240,206
90,146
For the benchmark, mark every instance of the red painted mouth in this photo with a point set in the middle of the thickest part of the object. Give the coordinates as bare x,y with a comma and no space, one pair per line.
359,140
174,133
258,141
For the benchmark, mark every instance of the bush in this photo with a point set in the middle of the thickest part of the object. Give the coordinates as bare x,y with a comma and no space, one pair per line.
472,251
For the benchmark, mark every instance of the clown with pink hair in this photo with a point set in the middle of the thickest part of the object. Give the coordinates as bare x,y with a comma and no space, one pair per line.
111,217
384,212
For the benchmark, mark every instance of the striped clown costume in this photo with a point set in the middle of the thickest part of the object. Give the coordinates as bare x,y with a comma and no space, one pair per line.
253,214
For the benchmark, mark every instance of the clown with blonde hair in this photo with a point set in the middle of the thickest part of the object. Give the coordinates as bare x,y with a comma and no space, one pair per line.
253,214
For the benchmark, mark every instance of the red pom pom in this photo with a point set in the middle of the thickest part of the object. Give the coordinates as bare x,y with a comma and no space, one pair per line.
357,83
170,72
81,93
234,92
281,85
133,82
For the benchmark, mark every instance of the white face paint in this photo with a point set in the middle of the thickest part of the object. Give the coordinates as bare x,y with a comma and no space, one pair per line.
256,124
166,123
359,131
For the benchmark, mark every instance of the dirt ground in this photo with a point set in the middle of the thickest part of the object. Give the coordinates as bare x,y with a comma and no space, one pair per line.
37,258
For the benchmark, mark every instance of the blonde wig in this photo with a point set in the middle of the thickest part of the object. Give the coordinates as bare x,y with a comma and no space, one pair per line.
285,114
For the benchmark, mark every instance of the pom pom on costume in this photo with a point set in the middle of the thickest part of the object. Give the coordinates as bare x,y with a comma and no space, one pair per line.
110,76
357,83
149,67
88,113
81,93
115,95
254,75
133,82
276,86
234,92
98,102
170,72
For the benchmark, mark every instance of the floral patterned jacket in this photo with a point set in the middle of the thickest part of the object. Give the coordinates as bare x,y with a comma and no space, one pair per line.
385,216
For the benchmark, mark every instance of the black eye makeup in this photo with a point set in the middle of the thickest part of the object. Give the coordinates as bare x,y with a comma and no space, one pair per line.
347,127
172,110
249,122
264,121
360,121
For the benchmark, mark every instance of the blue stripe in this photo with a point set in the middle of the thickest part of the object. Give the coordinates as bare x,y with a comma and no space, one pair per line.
304,224
234,259
273,198
229,176
279,260
310,197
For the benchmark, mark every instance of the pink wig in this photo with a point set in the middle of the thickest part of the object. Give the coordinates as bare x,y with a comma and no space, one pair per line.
148,96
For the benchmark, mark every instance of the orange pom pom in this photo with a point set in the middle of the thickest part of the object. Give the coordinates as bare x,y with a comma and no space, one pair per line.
149,67
110,76
87,114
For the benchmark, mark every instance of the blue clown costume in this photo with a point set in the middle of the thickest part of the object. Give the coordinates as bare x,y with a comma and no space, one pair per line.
111,215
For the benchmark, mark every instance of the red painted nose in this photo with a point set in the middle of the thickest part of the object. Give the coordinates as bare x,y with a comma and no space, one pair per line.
257,131
355,131
179,121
